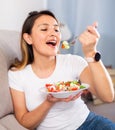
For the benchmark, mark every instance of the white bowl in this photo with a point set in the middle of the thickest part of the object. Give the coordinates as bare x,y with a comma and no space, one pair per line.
65,94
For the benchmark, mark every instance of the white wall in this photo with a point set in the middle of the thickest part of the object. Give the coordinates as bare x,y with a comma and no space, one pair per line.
14,12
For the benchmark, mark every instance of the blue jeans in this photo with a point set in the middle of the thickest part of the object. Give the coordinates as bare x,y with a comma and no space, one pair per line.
97,122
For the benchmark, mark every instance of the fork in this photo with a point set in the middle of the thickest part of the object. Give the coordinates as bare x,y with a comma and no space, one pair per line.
73,41
66,45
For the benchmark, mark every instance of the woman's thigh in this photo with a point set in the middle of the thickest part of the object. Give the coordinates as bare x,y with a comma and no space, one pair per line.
97,122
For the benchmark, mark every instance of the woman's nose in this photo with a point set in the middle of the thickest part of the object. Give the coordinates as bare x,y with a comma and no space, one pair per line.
53,33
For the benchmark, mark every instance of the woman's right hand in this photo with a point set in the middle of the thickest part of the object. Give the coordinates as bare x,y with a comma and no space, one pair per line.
89,39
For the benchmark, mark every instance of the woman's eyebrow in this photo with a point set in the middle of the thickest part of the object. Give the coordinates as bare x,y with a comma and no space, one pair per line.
45,24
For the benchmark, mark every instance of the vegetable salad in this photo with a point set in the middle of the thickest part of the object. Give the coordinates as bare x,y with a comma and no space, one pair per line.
64,86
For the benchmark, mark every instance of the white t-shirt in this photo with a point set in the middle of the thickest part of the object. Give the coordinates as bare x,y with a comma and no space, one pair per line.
63,115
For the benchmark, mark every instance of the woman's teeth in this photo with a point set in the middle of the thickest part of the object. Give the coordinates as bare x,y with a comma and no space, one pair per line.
51,43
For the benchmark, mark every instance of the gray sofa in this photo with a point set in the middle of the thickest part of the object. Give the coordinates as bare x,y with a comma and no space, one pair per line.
9,50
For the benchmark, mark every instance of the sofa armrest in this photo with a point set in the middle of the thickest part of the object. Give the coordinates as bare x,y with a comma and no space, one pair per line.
2,127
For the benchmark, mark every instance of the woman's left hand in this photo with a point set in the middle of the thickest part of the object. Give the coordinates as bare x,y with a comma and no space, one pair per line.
68,99
89,39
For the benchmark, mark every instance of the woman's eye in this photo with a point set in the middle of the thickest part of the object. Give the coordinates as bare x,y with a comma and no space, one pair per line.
57,30
43,29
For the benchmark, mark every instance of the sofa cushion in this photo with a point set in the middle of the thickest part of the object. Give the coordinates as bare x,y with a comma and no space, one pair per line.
11,123
9,50
10,45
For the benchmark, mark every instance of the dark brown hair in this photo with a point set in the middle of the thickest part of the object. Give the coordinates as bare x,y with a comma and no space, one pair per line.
26,49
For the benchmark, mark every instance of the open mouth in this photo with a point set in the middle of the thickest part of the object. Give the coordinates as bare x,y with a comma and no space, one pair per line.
53,43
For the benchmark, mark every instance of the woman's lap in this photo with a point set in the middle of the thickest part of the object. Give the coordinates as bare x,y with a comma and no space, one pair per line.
97,122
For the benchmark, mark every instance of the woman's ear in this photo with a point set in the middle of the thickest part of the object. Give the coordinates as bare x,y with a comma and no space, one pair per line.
27,38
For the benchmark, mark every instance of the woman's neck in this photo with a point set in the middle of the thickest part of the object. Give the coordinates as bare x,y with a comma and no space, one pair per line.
44,67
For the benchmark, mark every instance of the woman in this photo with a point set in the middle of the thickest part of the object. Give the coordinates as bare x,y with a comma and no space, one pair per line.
41,64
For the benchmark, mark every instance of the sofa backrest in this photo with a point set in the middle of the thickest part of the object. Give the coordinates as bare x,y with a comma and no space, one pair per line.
9,50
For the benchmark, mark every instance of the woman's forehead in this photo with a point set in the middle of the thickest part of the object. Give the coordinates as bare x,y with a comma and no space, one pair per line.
46,20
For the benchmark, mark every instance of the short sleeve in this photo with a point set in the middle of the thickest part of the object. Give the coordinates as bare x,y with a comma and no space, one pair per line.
15,80
78,64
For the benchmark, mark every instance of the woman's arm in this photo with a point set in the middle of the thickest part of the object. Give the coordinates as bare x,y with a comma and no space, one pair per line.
32,119
100,82
95,74
29,119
